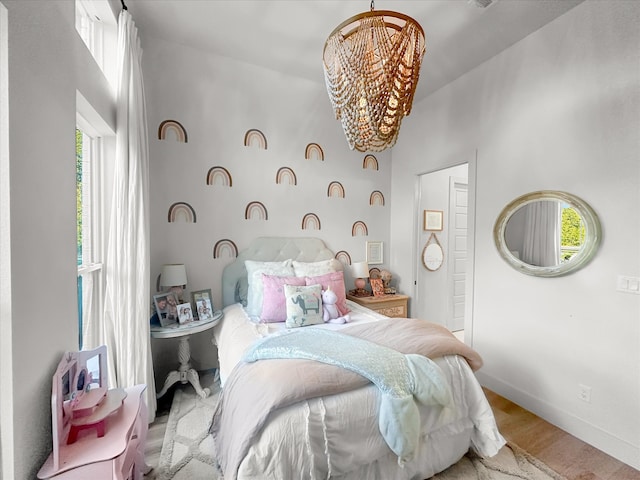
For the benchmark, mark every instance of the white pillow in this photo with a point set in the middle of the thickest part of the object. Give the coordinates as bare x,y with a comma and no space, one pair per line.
313,269
255,270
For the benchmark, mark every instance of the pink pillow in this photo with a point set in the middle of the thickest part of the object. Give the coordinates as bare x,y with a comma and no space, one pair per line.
336,281
274,305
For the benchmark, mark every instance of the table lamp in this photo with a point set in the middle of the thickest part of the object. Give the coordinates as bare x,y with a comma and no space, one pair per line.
174,276
360,271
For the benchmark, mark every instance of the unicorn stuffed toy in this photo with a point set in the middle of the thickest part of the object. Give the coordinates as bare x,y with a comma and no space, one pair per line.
330,313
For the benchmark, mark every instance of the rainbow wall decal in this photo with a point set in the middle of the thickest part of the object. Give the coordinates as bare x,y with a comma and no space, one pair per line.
310,222
219,176
376,198
225,246
343,257
172,126
359,228
314,152
256,210
286,175
255,138
335,190
181,211
370,162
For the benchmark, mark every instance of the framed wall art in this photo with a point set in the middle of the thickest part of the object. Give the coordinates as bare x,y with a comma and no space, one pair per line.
433,220
374,253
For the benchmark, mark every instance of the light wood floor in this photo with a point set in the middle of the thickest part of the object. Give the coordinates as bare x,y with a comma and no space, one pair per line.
564,453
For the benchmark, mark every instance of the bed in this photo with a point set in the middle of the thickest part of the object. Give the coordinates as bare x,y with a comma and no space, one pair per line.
283,417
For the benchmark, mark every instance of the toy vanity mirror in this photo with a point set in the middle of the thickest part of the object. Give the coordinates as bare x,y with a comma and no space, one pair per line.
547,233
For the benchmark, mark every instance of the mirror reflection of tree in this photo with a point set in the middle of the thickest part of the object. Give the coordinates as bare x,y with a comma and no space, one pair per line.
572,233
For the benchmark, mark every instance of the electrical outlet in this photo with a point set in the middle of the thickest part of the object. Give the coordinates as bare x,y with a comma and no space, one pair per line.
584,393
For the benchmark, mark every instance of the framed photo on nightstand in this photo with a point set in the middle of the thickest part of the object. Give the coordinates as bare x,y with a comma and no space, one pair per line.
377,286
166,308
185,314
202,304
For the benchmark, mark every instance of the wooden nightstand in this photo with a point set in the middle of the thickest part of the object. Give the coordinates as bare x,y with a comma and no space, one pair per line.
389,305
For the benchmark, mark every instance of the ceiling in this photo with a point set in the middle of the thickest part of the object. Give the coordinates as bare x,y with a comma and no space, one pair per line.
288,35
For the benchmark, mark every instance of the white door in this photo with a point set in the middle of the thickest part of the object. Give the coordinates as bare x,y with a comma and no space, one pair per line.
457,246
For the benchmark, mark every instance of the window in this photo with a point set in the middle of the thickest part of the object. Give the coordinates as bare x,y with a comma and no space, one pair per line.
88,223
96,25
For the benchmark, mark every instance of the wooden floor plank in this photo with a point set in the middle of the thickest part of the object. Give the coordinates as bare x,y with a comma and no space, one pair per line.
561,451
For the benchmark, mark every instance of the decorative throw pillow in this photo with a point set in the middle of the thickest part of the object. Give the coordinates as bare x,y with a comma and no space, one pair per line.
335,280
255,270
311,269
274,306
304,305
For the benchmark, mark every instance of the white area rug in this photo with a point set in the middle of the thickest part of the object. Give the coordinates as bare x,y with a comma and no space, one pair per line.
511,463
187,450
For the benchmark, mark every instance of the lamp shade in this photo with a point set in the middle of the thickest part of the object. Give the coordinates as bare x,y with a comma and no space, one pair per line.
360,269
173,274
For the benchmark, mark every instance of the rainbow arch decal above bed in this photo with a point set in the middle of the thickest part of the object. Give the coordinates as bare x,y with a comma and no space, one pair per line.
256,210
335,189
359,228
343,257
255,138
311,222
370,162
286,175
219,176
181,211
172,126
225,246
376,198
314,152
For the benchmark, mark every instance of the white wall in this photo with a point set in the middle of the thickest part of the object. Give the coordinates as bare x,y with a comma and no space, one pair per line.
43,317
559,110
217,100
45,67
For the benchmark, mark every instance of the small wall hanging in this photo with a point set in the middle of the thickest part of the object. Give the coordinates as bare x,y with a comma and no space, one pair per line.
432,254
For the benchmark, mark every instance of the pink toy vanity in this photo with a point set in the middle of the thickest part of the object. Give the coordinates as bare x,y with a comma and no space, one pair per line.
97,432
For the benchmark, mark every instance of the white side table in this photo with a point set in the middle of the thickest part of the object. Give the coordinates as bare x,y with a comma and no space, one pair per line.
185,373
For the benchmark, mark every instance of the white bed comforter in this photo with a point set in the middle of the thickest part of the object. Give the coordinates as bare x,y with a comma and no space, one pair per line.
326,437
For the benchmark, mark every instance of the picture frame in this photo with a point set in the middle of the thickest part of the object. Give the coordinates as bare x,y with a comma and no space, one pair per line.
433,220
185,313
202,301
377,286
167,308
375,253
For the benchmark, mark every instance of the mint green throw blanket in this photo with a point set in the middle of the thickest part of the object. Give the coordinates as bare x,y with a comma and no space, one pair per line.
402,379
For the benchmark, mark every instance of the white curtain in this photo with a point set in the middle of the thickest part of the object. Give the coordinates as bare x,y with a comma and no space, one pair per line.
542,234
126,315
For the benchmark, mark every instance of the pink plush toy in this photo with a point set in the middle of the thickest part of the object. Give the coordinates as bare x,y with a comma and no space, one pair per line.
330,313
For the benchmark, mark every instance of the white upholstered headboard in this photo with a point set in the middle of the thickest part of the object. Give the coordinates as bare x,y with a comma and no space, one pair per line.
270,249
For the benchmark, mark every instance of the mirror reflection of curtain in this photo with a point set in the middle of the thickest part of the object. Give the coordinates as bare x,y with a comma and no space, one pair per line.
542,234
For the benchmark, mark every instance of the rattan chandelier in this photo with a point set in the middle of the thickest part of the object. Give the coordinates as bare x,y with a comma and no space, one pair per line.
371,69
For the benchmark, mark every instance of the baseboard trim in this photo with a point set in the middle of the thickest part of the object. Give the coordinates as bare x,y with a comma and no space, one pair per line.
591,434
